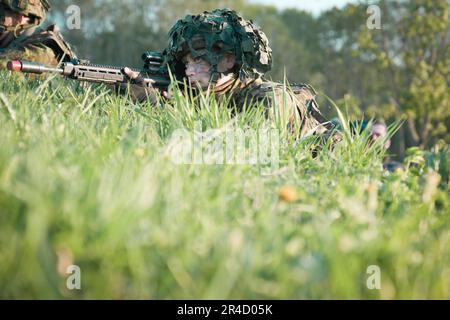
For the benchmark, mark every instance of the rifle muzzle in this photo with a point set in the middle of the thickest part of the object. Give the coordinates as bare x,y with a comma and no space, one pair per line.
30,67
14,65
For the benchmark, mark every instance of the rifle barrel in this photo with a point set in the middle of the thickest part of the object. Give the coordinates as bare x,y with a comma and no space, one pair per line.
31,67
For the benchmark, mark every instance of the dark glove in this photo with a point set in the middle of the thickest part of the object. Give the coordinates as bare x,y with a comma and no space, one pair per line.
140,89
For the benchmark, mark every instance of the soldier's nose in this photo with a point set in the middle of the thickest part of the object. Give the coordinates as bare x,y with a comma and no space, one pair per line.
190,71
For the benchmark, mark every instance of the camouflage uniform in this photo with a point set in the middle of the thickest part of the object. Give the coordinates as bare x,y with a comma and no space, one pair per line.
31,42
211,35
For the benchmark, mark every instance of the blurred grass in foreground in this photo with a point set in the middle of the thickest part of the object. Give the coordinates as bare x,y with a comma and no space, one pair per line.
85,179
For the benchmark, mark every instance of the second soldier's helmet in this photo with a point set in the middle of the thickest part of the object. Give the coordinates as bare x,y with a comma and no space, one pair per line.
211,35
35,9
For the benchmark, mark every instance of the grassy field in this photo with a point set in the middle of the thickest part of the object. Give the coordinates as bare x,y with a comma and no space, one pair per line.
86,179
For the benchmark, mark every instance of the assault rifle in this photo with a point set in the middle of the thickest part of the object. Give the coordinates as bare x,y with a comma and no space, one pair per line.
153,71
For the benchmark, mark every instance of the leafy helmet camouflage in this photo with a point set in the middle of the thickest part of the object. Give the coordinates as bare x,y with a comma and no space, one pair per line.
35,9
211,35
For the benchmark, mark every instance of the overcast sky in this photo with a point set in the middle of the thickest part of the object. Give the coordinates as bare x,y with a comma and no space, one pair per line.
315,6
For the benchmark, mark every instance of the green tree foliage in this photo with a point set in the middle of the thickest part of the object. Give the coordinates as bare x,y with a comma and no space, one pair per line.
411,50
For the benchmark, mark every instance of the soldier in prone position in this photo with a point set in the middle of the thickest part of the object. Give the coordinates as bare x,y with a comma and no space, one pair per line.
222,51
23,38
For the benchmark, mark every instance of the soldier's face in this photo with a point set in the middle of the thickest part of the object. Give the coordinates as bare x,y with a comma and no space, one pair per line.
379,131
10,18
198,71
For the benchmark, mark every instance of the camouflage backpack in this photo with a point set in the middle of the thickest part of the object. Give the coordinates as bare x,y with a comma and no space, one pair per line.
211,35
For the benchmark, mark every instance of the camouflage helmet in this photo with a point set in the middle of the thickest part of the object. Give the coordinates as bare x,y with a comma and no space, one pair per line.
211,35
36,9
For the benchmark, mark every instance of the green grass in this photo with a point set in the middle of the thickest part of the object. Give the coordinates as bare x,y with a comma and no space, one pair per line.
85,179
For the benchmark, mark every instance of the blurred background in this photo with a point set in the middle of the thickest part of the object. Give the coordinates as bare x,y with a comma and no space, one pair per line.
399,70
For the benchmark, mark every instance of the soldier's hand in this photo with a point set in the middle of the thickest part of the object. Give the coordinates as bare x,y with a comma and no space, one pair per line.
140,88
137,79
